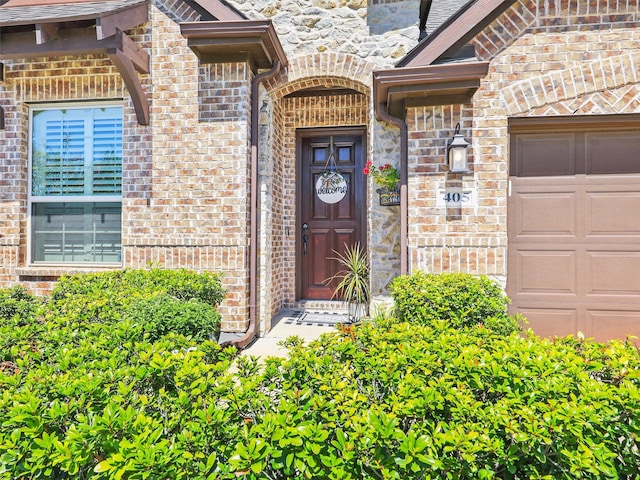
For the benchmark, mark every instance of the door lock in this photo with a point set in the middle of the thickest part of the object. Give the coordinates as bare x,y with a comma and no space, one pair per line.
305,238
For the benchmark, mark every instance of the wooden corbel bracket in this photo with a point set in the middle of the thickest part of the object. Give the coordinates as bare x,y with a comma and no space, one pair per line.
129,59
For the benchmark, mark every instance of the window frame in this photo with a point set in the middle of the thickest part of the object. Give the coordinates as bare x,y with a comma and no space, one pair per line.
82,199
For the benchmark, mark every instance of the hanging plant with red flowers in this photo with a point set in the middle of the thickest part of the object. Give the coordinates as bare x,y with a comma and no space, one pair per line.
387,176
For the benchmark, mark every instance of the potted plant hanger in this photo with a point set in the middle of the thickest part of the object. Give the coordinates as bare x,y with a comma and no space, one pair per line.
353,281
388,178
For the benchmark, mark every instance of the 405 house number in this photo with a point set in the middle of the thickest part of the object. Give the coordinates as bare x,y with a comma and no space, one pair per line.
457,197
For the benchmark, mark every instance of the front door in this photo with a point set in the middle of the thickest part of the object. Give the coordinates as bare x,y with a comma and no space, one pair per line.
325,228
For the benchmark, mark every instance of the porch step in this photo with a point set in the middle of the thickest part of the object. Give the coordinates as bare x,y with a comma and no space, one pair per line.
318,306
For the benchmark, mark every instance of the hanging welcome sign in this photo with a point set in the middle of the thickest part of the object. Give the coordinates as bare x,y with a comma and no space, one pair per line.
331,186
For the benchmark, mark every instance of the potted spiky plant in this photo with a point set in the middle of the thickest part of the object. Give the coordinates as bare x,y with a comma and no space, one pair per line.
353,281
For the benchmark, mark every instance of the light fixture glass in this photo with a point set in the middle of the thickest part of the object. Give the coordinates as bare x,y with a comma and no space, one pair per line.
458,152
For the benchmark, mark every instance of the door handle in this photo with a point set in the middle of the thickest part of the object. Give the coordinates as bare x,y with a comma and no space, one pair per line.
305,238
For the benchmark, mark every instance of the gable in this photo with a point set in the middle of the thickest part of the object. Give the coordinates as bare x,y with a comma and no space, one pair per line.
455,32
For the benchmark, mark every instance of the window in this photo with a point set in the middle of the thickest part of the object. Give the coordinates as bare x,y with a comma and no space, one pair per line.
76,184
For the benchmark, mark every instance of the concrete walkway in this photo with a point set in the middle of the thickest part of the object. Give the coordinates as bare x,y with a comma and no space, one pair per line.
307,325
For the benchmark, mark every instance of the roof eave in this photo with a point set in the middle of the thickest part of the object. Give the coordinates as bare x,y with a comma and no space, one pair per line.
400,88
127,9
256,41
217,9
65,36
455,32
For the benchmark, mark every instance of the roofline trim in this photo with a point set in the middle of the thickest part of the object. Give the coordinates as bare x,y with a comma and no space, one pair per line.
234,35
74,18
455,32
426,85
218,9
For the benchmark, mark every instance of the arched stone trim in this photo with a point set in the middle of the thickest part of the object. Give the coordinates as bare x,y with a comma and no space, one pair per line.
561,85
329,68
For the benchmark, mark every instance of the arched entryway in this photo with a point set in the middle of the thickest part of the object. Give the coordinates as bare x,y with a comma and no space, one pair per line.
317,108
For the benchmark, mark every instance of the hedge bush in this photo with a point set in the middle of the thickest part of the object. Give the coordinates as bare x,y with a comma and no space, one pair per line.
16,301
461,299
176,299
433,402
104,363
162,314
84,399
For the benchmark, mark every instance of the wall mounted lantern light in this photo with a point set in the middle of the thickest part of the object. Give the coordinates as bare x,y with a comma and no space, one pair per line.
458,152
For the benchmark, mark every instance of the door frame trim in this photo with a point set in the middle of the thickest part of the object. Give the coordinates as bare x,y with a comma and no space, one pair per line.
306,132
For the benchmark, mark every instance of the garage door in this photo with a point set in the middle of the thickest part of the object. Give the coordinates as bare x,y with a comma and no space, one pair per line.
574,225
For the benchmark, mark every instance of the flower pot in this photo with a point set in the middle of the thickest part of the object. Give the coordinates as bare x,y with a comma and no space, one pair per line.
356,311
389,197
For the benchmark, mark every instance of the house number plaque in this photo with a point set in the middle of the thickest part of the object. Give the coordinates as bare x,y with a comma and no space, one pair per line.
331,187
457,197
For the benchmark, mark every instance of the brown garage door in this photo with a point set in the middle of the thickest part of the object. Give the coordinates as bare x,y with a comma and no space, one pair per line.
574,225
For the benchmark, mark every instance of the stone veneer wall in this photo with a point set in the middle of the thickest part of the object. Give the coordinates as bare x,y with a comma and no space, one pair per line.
185,188
316,26
545,60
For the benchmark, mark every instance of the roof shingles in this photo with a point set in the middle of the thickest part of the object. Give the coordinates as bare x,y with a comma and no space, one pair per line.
17,13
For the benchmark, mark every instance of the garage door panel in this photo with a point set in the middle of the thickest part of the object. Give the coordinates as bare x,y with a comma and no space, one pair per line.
551,322
546,214
612,153
549,156
603,325
613,273
613,214
546,272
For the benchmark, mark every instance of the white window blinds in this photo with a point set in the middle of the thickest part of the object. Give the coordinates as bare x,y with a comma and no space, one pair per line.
77,152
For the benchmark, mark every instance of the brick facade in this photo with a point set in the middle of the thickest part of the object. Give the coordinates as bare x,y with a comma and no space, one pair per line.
186,176
547,58
185,182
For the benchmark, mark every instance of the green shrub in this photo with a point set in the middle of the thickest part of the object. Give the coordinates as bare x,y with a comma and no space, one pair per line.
182,284
392,400
16,301
433,402
116,366
461,299
163,313
104,296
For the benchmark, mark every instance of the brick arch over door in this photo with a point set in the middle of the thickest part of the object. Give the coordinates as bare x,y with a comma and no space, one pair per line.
323,69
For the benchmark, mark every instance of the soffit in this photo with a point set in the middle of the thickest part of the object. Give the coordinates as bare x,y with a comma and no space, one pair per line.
254,41
452,83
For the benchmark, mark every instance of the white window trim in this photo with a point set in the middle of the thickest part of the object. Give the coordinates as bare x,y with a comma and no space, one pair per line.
66,199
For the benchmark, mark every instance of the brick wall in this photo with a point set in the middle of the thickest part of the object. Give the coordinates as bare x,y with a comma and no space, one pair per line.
185,176
546,59
195,213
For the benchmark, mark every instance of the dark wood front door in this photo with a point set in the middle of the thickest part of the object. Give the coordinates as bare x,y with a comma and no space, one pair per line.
324,228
